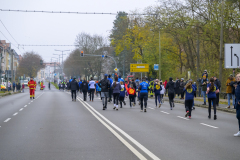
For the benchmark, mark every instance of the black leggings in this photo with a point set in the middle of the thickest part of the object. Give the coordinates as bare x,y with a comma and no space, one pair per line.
92,94
171,97
238,117
74,91
131,99
210,100
115,98
188,106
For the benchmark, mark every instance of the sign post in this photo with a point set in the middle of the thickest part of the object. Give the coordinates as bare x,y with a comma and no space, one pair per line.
139,67
232,54
156,67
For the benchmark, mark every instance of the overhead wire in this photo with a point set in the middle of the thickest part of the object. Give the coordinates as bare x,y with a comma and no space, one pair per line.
10,35
67,12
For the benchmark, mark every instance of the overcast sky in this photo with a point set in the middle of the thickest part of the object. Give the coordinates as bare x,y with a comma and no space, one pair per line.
60,29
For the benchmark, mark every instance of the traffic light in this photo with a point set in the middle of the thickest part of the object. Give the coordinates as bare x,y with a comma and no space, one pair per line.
82,54
41,62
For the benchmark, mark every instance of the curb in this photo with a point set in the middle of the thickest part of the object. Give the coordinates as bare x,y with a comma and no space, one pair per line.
9,94
205,106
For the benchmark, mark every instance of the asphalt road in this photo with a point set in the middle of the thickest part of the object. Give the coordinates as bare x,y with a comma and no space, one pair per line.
52,127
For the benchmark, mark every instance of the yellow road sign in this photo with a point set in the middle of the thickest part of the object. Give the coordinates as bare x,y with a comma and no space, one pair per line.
115,69
139,70
139,67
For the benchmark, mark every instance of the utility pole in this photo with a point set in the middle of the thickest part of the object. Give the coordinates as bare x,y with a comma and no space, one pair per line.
124,65
12,65
198,65
159,67
1,49
62,57
221,45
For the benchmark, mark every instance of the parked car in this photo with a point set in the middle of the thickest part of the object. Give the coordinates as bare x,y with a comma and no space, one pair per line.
25,82
3,88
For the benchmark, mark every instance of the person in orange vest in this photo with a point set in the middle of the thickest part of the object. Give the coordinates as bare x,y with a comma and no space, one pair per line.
41,84
32,85
131,92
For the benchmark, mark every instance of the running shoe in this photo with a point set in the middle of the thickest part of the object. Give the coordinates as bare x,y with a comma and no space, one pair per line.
114,107
189,117
159,105
141,111
215,117
117,109
237,134
124,103
187,114
145,110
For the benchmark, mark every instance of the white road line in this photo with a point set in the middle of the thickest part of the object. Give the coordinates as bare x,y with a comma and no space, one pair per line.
150,108
28,103
21,109
208,125
138,154
149,153
25,106
165,112
7,120
182,117
15,114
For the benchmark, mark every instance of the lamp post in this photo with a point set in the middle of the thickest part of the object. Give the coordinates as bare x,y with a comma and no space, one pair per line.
1,51
62,56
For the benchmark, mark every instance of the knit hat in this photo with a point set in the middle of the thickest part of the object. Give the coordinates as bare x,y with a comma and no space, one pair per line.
231,75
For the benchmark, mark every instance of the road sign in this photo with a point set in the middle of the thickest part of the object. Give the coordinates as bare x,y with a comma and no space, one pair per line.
155,66
232,55
115,69
139,67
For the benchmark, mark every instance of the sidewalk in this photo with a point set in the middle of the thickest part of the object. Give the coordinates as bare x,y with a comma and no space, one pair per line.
8,93
198,101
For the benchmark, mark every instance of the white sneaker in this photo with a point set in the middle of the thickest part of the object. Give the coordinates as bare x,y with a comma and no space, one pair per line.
237,134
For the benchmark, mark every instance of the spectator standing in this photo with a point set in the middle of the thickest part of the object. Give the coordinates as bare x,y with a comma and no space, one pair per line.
177,89
199,87
9,86
23,86
182,84
14,85
204,88
165,84
229,90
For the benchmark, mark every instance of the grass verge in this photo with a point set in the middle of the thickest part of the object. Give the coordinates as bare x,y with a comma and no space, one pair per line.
55,85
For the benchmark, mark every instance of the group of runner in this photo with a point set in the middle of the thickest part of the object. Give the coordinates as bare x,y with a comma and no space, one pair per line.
140,91
117,90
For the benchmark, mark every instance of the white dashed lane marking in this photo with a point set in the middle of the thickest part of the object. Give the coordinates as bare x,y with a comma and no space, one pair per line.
165,112
7,120
25,106
182,118
21,109
208,125
15,114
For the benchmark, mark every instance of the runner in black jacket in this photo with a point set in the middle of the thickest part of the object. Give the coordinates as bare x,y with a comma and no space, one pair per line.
171,91
74,87
105,86
84,88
